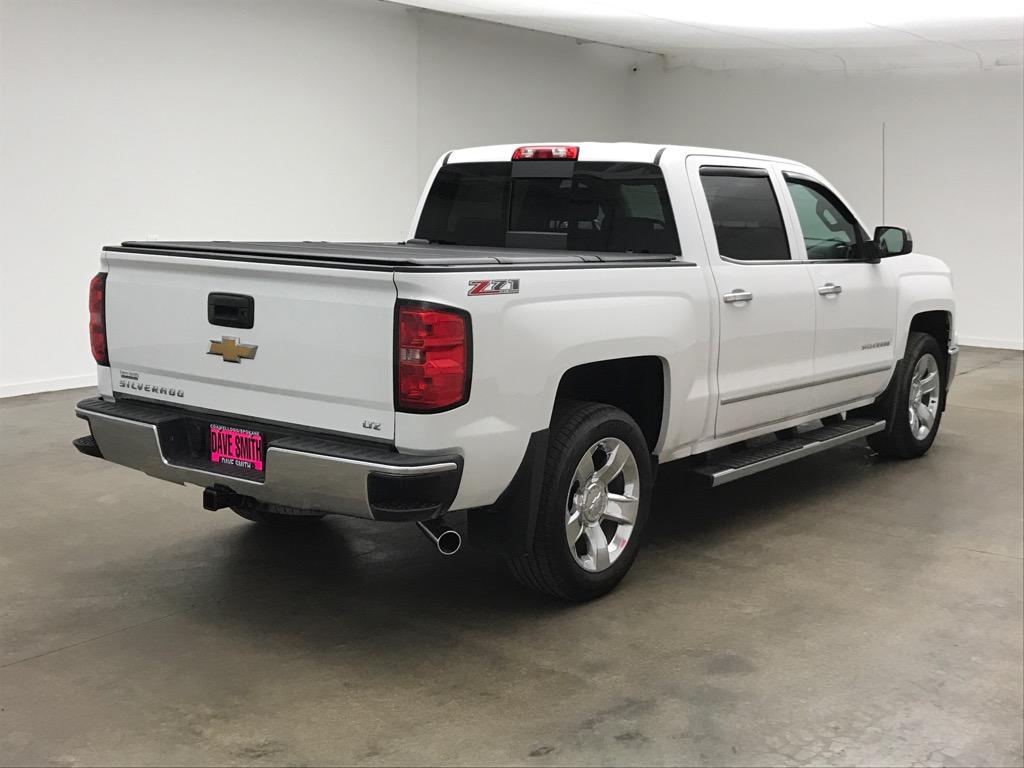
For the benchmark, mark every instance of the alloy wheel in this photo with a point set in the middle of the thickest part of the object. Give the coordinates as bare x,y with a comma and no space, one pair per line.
602,504
924,396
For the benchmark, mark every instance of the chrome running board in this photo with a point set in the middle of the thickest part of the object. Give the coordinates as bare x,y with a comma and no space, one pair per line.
750,461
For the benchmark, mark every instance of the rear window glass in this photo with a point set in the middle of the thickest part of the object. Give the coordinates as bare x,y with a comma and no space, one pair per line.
608,207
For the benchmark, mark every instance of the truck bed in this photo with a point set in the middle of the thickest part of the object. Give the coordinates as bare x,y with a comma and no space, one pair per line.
407,256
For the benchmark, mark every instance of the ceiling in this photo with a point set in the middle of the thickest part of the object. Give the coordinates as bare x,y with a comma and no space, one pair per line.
869,35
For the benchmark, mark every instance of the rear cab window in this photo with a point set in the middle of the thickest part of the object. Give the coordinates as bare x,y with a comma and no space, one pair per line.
556,205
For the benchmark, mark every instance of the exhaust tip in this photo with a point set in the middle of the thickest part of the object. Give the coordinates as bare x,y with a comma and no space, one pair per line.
449,542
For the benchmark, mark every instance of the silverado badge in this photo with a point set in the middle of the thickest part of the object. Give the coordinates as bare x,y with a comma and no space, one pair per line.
232,350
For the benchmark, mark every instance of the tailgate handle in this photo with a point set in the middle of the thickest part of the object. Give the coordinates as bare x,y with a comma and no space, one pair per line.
230,310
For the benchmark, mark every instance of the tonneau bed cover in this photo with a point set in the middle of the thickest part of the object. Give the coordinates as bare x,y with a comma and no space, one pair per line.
385,256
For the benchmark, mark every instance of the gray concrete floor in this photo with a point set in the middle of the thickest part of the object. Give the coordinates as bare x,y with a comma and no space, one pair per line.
834,611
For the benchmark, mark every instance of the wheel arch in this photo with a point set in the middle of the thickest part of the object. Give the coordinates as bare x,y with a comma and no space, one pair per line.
937,323
508,526
637,385
926,304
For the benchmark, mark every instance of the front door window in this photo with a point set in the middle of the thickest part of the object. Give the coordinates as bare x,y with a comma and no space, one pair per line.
828,227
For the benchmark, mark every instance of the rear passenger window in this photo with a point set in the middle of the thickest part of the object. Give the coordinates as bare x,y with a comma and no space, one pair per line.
745,212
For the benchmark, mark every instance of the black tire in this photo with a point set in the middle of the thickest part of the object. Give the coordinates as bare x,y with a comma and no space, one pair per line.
550,567
275,515
898,439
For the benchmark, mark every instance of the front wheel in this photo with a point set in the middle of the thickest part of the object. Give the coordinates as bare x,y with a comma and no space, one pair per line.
918,393
594,503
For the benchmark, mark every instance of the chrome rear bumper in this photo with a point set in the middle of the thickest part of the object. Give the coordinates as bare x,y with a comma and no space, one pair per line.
313,473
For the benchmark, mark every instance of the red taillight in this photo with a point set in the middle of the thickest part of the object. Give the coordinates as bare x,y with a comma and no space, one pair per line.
98,318
432,358
546,152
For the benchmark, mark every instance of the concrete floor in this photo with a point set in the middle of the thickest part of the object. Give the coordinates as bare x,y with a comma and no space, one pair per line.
838,610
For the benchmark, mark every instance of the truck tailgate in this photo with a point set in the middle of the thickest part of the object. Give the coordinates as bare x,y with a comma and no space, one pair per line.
319,349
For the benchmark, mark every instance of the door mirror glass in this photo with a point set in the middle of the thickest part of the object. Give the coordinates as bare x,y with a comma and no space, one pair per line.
893,241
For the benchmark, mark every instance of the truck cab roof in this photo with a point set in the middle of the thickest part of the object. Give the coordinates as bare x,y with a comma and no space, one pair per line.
599,151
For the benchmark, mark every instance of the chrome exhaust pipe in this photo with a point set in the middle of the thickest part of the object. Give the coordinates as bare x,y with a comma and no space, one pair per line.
448,541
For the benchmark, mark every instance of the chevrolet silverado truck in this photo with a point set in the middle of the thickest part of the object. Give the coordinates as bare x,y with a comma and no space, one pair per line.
561,319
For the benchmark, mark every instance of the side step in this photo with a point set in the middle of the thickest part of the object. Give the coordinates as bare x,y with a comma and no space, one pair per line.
753,460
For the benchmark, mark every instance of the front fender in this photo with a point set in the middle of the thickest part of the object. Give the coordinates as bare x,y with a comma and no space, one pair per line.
926,285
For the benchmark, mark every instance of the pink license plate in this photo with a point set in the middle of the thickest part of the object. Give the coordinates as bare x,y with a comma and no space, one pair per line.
237,447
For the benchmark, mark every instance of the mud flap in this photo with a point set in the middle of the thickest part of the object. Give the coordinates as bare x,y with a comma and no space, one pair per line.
885,406
507,526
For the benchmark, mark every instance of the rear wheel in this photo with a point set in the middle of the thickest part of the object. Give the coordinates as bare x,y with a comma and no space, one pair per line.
919,397
275,514
594,504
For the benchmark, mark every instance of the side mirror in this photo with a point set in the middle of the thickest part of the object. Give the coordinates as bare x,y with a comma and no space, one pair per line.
893,241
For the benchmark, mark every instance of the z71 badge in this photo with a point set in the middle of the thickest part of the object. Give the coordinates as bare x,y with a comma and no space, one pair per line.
493,287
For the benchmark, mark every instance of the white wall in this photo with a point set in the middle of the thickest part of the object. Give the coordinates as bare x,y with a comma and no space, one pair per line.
319,119
488,84
307,119
185,120
953,159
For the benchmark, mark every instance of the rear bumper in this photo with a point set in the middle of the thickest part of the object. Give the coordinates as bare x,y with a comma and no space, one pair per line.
308,472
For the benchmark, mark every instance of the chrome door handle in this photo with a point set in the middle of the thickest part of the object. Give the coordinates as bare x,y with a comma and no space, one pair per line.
737,295
830,289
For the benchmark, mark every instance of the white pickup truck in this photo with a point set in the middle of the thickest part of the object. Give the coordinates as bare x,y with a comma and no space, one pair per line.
562,318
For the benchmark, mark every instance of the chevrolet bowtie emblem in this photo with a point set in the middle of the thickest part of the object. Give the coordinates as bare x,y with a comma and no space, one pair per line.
232,350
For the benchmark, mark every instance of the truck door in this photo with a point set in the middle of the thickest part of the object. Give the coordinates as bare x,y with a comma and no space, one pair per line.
855,300
765,295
